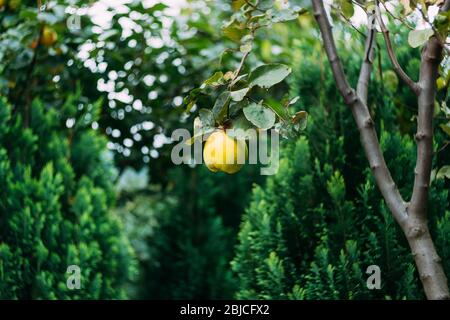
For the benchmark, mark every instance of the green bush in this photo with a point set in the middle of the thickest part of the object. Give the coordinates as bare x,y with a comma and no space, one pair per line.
311,231
54,207
184,234
302,237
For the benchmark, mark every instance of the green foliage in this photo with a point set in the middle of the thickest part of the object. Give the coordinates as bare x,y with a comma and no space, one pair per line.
311,231
298,234
268,75
54,208
186,243
234,91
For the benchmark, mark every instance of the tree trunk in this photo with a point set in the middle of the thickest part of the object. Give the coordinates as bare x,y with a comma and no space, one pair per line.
422,247
412,216
427,260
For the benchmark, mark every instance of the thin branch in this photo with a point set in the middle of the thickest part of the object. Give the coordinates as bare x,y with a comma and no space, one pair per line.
352,25
431,58
241,65
366,67
397,68
401,19
380,68
446,144
363,119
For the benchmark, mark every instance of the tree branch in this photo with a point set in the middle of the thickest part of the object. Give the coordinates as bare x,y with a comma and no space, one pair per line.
446,6
395,64
241,65
361,114
366,67
429,72
431,58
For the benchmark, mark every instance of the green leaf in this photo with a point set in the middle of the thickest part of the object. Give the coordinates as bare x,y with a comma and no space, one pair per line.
206,117
220,106
233,32
26,13
189,105
48,18
446,110
239,126
238,78
246,43
284,15
267,75
259,115
446,128
416,38
215,79
235,107
347,8
443,172
278,109
237,4
199,133
287,130
247,47
293,101
157,7
238,95
300,119
191,99
437,108
265,4
201,128
247,38
442,22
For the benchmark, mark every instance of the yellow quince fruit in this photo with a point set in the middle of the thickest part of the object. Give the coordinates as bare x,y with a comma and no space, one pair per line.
224,153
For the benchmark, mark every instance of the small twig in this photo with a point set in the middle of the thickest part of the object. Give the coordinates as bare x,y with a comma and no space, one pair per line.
446,144
402,20
396,65
241,66
351,24
380,67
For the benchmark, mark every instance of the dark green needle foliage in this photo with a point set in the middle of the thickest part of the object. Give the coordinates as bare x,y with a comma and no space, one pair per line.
55,205
191,244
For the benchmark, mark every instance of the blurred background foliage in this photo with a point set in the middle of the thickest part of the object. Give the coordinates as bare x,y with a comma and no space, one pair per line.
85,163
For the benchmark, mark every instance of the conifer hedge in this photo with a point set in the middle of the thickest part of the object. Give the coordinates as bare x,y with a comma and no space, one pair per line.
55,199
